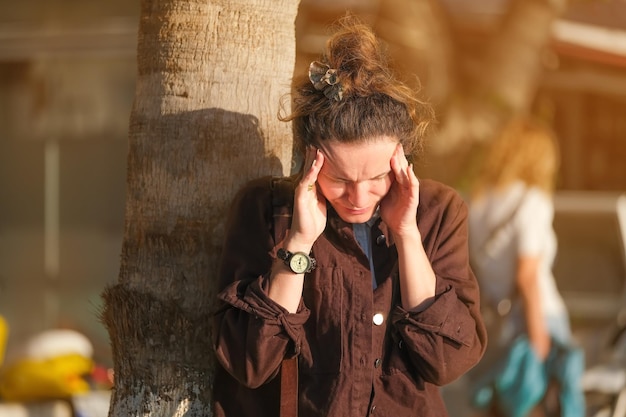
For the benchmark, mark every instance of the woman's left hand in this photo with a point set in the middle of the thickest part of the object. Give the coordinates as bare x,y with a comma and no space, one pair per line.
398,208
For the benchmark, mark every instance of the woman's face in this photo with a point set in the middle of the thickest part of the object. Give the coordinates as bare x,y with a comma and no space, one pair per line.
356,176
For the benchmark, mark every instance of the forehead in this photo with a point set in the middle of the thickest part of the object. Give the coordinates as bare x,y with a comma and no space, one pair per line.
358,161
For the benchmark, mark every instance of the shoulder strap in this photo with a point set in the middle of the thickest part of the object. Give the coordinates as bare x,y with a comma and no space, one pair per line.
282,189
282,202
493,234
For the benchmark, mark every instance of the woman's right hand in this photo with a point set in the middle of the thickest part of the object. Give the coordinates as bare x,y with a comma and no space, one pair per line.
308,223
309,212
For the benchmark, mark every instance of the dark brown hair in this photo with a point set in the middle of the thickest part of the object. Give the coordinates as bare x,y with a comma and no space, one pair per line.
374,102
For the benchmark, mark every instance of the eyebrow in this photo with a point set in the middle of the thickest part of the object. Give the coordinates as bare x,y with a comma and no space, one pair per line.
375,177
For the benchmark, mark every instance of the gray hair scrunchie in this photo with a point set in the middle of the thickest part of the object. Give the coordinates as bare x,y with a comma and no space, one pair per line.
325,79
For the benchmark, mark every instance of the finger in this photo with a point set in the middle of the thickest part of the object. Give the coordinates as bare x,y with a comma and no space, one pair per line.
399,166
316,161
412,178
395,164
414,184
404,162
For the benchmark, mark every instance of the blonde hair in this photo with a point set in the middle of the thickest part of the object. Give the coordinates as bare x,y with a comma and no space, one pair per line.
525,150
373,102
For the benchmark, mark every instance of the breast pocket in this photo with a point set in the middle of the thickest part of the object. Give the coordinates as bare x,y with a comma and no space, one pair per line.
323,295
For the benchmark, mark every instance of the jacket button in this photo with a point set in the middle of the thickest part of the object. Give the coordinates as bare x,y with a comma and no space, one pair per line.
378,319
377,363
380,240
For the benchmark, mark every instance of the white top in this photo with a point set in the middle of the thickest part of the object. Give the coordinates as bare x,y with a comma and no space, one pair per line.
529,232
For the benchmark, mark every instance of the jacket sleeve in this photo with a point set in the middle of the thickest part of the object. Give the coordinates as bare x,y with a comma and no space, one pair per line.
252,333
448,338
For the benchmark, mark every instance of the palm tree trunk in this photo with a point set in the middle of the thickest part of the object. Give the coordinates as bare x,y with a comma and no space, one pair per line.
210,76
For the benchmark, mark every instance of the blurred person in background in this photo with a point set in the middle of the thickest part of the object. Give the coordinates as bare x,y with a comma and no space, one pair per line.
512,248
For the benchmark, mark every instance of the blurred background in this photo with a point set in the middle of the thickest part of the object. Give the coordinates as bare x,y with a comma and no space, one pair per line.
67,75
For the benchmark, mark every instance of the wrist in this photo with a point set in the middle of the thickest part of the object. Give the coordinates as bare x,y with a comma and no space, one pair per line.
294,244
407,237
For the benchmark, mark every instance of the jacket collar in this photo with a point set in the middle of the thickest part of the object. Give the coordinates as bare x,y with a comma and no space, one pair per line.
380,230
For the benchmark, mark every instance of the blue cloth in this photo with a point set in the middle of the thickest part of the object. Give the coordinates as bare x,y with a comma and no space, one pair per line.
566,366
518,381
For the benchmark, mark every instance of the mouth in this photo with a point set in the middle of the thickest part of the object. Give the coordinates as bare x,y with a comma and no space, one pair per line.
356,210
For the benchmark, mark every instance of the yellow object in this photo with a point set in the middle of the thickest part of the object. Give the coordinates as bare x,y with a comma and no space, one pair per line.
4,334
56,377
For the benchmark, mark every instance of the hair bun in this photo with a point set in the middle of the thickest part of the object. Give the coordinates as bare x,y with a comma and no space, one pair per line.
358,55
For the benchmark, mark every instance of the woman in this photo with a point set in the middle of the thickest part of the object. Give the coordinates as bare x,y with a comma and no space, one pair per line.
374,297
513,244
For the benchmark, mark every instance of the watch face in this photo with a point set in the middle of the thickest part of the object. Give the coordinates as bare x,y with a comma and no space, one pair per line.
299,263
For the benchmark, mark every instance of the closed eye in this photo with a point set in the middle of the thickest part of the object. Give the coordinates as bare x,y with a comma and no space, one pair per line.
347,181
380,177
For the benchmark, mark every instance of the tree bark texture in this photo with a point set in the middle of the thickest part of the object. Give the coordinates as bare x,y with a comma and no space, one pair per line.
210,77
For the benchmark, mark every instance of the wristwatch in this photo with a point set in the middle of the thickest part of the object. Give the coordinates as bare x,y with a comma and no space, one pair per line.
299,262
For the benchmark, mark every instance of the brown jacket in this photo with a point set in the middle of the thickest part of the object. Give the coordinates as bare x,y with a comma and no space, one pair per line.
348,366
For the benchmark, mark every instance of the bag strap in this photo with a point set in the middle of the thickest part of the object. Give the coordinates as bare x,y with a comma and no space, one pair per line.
289,387
282,190
282,201
495,231
504,305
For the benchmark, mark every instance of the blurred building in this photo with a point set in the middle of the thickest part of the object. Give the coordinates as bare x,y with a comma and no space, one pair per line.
67,82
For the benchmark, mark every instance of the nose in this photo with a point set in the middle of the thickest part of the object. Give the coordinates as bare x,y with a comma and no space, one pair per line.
358,194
